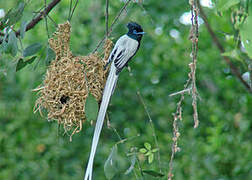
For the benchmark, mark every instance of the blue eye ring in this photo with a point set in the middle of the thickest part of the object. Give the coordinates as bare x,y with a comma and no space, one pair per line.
134,31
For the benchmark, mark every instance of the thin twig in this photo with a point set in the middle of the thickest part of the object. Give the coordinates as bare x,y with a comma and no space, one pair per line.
70,10
150,120
55,24
152,127
107,17
216,41
181,92
37,11
110,29
47,30
122,141
75,5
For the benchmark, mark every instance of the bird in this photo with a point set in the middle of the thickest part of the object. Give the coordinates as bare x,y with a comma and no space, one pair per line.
124,49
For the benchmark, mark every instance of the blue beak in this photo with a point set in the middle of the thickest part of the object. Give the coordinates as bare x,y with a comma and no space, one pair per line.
140,33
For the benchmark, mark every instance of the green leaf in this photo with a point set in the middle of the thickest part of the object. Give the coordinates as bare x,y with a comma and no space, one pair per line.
4,43
13,15
32,49
12,46
6,47
223,5
22,29
133,162
150,158
31,60
91,108
21,64
148,153
143,150
50,55
233,54
246,35
230,39
153,173
3,46
147,145
154,150
110,167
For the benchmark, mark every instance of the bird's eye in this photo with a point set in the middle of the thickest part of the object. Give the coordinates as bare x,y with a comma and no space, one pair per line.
134,31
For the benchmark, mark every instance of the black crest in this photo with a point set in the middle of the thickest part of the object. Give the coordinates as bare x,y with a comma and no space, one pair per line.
134,26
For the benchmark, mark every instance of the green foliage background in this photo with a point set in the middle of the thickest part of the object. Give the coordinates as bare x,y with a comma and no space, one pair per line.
220,148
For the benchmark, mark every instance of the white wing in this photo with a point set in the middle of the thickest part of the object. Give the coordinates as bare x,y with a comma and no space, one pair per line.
128,49
124,49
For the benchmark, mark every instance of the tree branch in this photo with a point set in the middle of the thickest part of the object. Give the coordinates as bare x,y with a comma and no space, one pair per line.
216,41
38,18
41,15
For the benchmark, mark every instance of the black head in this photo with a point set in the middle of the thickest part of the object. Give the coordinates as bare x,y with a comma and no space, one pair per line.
135,31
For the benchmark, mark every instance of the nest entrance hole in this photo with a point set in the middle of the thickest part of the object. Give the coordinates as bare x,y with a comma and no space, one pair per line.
64,99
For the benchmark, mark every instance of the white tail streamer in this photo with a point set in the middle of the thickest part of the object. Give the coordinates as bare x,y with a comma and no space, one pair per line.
108,91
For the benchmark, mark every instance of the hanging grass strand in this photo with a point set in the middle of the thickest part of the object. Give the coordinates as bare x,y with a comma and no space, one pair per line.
189,87
194,39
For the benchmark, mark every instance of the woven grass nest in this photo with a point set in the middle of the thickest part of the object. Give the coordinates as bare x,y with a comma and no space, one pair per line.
68,81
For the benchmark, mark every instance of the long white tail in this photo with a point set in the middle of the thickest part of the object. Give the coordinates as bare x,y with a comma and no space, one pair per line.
108,91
